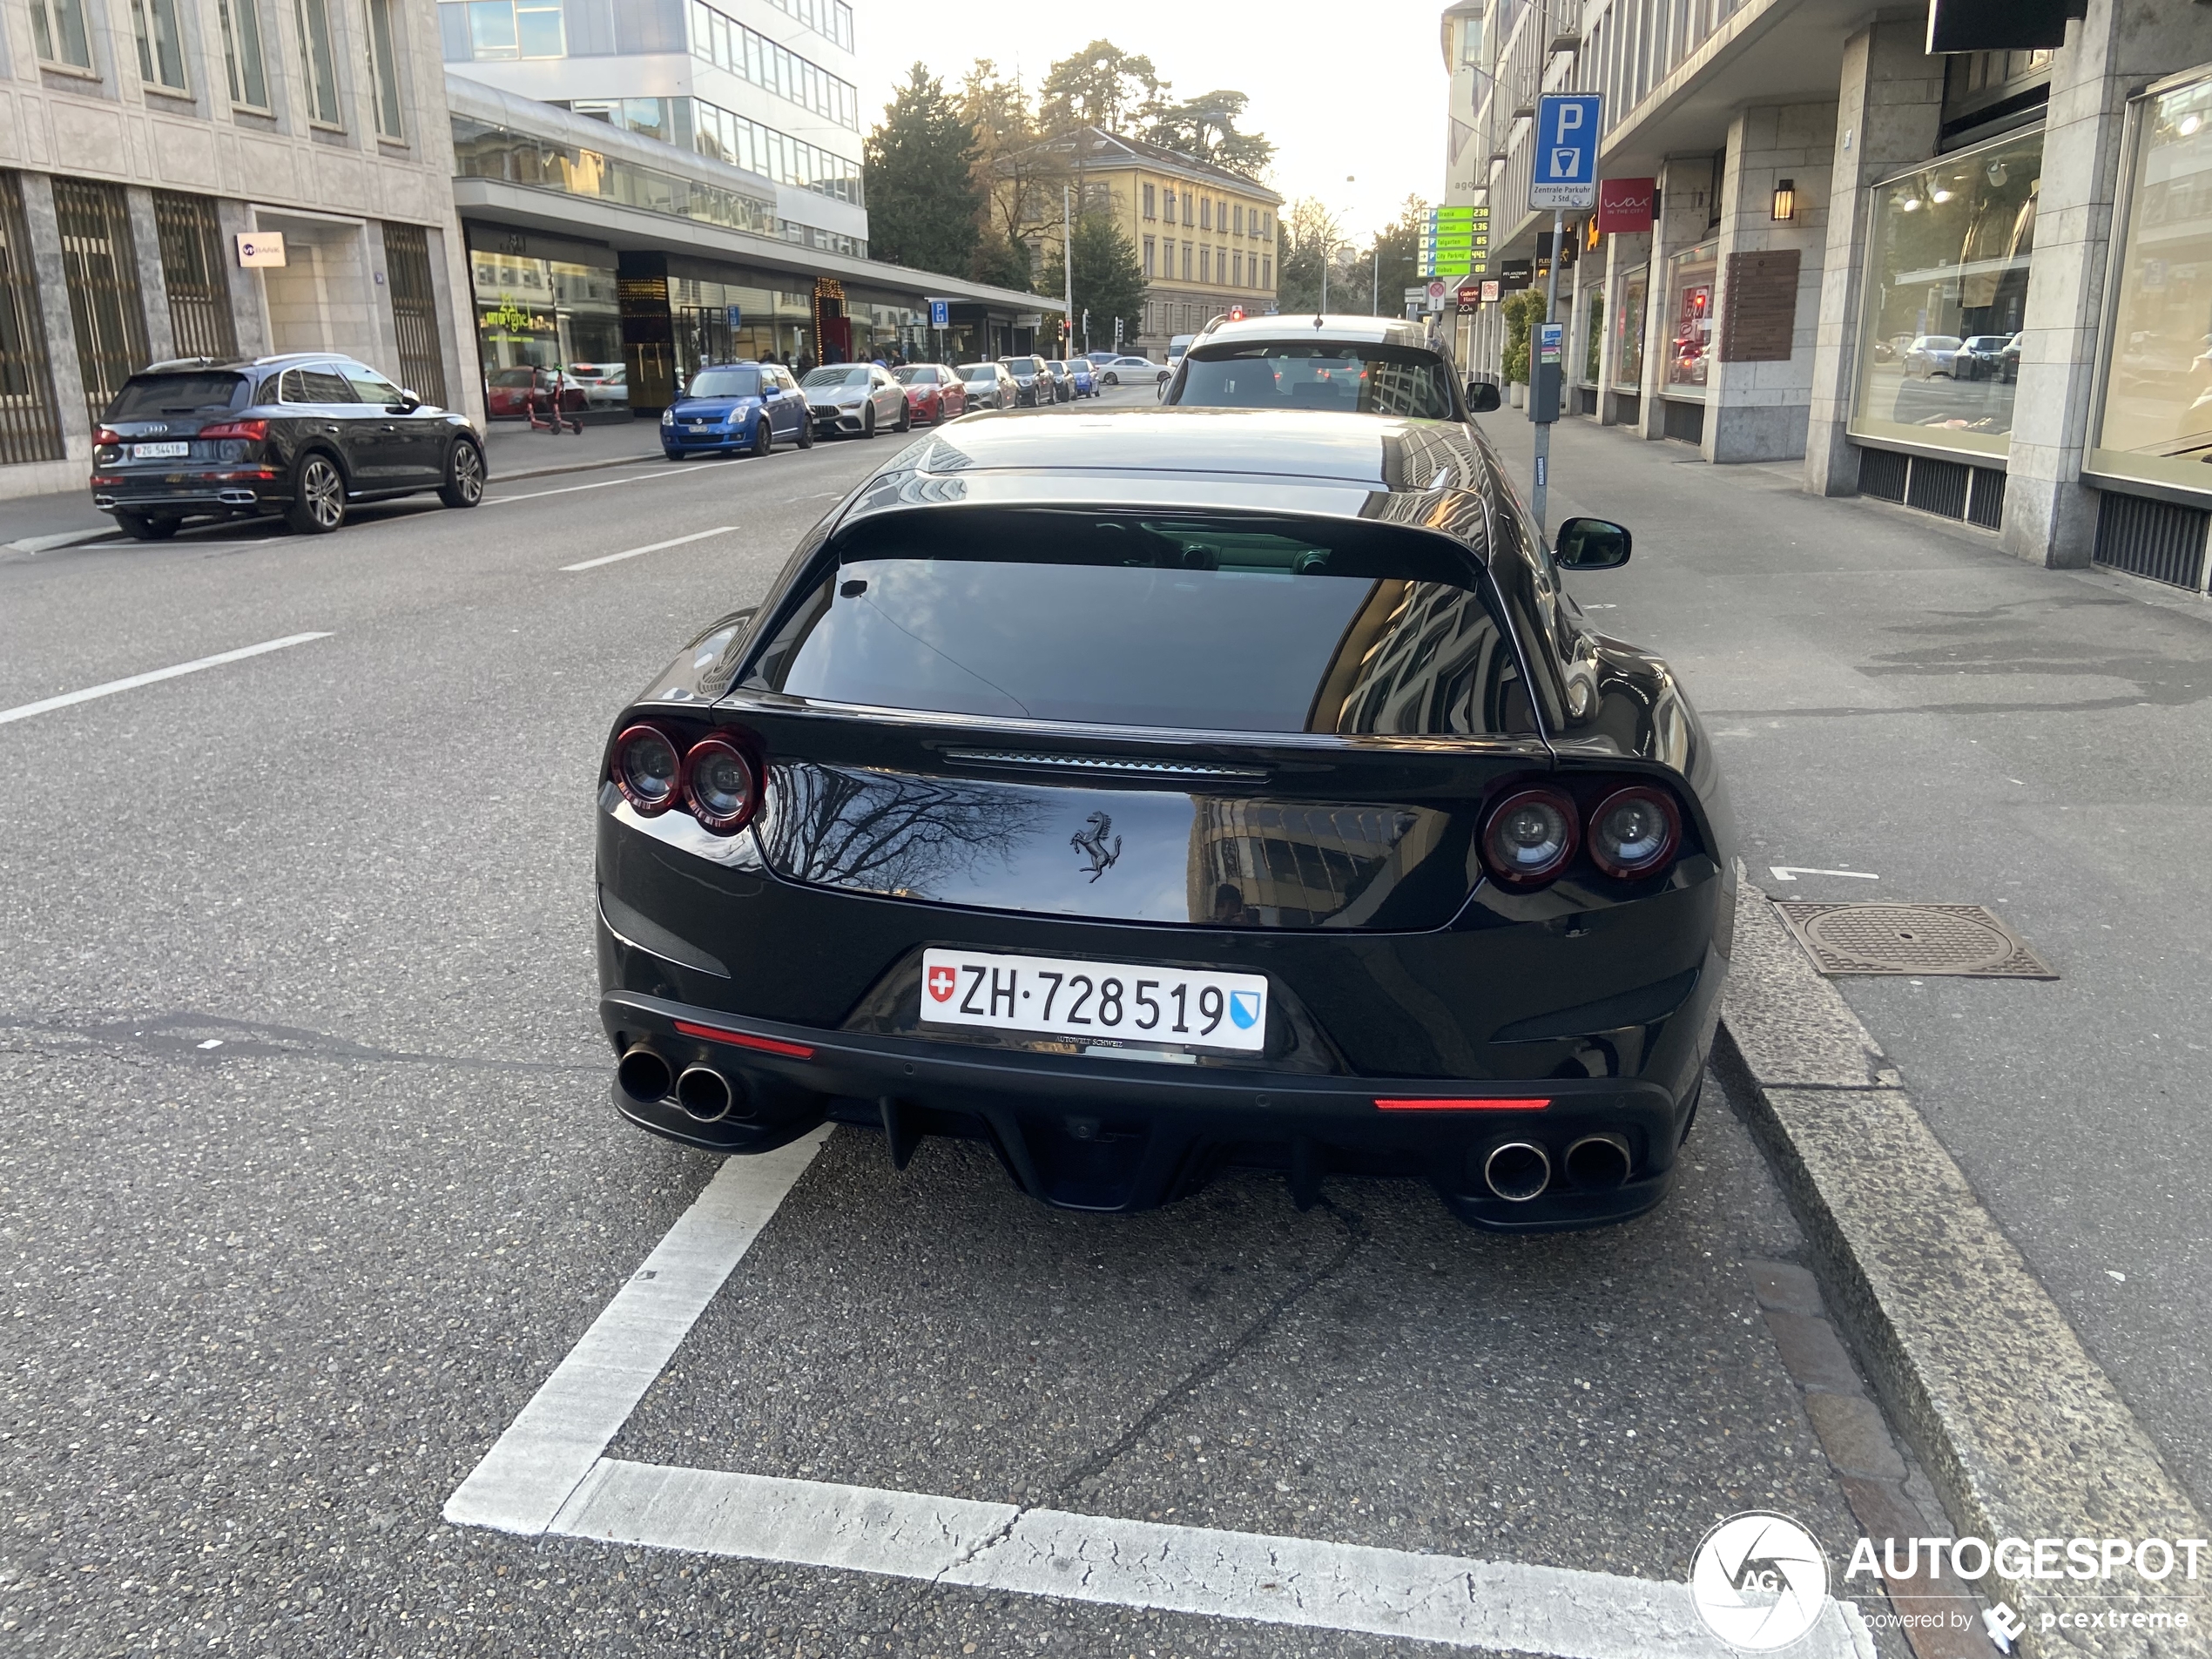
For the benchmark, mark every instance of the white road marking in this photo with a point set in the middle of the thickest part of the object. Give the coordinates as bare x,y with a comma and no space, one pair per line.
650,547
555,1440
549,1474
25,711
1791,872
570,489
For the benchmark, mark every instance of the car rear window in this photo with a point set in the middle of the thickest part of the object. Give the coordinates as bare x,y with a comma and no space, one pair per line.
726,382
1211,622
182,394
1319,374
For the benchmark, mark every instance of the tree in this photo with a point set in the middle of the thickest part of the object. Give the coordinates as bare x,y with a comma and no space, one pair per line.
1000,263
1017,174
925,207
1399,245
1204,128
1110,279
1305,236
1523,311
1100,86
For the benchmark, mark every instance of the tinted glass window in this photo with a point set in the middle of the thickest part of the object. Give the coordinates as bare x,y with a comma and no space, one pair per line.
837,375
323,385
726,382
1199,623
917,374
148,394
1351,380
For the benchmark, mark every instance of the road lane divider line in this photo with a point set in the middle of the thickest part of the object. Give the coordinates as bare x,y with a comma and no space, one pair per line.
570,489
650,547
556,1440
23,711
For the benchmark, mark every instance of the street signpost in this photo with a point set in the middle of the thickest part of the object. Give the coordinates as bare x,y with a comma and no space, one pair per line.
1564,177
1455,241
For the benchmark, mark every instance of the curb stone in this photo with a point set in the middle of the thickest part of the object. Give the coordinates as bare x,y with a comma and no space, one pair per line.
2021,1432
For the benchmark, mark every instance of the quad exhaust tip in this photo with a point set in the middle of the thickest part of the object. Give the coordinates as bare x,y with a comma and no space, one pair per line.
644,1076
1517,1171
1598,1163
705,1094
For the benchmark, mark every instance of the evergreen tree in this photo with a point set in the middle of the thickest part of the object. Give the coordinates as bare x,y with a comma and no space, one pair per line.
1002,263
924,206
1206,128
1101,86
1109,280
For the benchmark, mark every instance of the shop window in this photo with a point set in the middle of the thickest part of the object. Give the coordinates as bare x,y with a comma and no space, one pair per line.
319,60
161,44
1690,282
58,33
244,65
2156,419
1593,333
1628,331
1945,296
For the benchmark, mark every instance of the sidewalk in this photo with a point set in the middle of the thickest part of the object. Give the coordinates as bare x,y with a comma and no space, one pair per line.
1892,695
39,523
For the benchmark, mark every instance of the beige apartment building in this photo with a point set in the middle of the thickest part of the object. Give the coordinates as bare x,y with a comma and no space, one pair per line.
1206,236
154,154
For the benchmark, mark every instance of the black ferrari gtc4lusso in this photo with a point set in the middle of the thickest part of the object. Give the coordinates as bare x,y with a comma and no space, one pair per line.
1165,790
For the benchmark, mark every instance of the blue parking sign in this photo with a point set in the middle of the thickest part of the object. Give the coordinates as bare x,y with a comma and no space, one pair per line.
1567,133
941,313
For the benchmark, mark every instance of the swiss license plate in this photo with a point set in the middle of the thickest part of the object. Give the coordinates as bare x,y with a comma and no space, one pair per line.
158,451
1122,1002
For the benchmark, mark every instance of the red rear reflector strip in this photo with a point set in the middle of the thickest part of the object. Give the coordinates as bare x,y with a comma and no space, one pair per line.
1461,1105
767,1045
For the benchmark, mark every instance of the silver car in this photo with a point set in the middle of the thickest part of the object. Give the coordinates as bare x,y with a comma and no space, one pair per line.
855,398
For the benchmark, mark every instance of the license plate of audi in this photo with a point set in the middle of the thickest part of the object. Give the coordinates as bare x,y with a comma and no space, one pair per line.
1100,1002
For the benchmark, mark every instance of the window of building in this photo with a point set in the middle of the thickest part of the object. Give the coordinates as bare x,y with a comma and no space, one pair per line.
30,422
1628,330
58,33
161,44
384,66
1239,211
727,44
1205,212
1592,332
318,59
200,320
1206,263
2155,423
1237,270
1186,261
728,136
1692,277
1945,296
100,268
1167,202
1267,274
244,65
1150,201
831,19
1150,243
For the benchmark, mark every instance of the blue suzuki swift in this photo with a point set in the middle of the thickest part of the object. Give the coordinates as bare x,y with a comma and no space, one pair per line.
733,409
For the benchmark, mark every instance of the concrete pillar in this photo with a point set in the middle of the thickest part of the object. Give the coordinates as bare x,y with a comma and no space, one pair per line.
1685,211
2050,517
249,301
1889,102
53,303
1756,411
154,281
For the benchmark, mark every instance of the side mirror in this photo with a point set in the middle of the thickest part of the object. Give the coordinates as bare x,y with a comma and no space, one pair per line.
1590,543
1482,397
407,404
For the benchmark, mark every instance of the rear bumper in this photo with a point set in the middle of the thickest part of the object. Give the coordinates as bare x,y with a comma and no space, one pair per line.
209,492
1114,1135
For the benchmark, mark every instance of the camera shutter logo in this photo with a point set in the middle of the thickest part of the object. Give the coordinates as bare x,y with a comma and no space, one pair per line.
1759,1582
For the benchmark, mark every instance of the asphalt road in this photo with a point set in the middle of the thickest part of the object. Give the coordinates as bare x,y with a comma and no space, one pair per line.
308,1181
1893,695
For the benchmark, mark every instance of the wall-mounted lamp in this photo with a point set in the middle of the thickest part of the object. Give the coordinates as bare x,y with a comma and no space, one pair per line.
1786,201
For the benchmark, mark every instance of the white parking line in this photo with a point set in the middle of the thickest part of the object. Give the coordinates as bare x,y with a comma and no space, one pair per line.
650,547
25,711
548,1474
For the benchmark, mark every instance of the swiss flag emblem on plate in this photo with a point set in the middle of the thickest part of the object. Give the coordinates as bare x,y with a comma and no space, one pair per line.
942,981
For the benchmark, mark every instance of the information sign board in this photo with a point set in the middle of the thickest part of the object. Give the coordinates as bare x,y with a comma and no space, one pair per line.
1567,133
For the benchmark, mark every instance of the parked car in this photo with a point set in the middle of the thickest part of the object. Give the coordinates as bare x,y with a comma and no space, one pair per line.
605,385
1932,354
856,399
1133,371
989,386
1077,372
1372,366
1067,820
508,392
732,408
1100,359
306,435
934,393
1032,382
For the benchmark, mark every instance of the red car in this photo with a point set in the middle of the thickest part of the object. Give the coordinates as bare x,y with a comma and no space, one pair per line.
508,393
934,394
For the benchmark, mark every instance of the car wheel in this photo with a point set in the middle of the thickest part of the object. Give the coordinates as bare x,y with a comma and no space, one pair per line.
318,495
141,528
1110,380
905,417
464,484
807,432
763,436
868,421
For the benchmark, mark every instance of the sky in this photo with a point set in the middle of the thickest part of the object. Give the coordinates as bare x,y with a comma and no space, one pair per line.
1353,91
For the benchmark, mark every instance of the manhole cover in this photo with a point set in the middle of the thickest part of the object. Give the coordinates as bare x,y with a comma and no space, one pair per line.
1966,939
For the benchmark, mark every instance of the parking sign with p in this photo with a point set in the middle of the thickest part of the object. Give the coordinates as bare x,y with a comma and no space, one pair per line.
1566,131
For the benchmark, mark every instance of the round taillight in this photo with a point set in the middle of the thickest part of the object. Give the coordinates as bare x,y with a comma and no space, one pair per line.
1530,837
647,768
722,784
1634,832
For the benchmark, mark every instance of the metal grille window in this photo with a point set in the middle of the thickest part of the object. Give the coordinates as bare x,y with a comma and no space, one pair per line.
415,311
58,32
247,69
384,69
191,269
30,425
161,44
317,63
101,269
